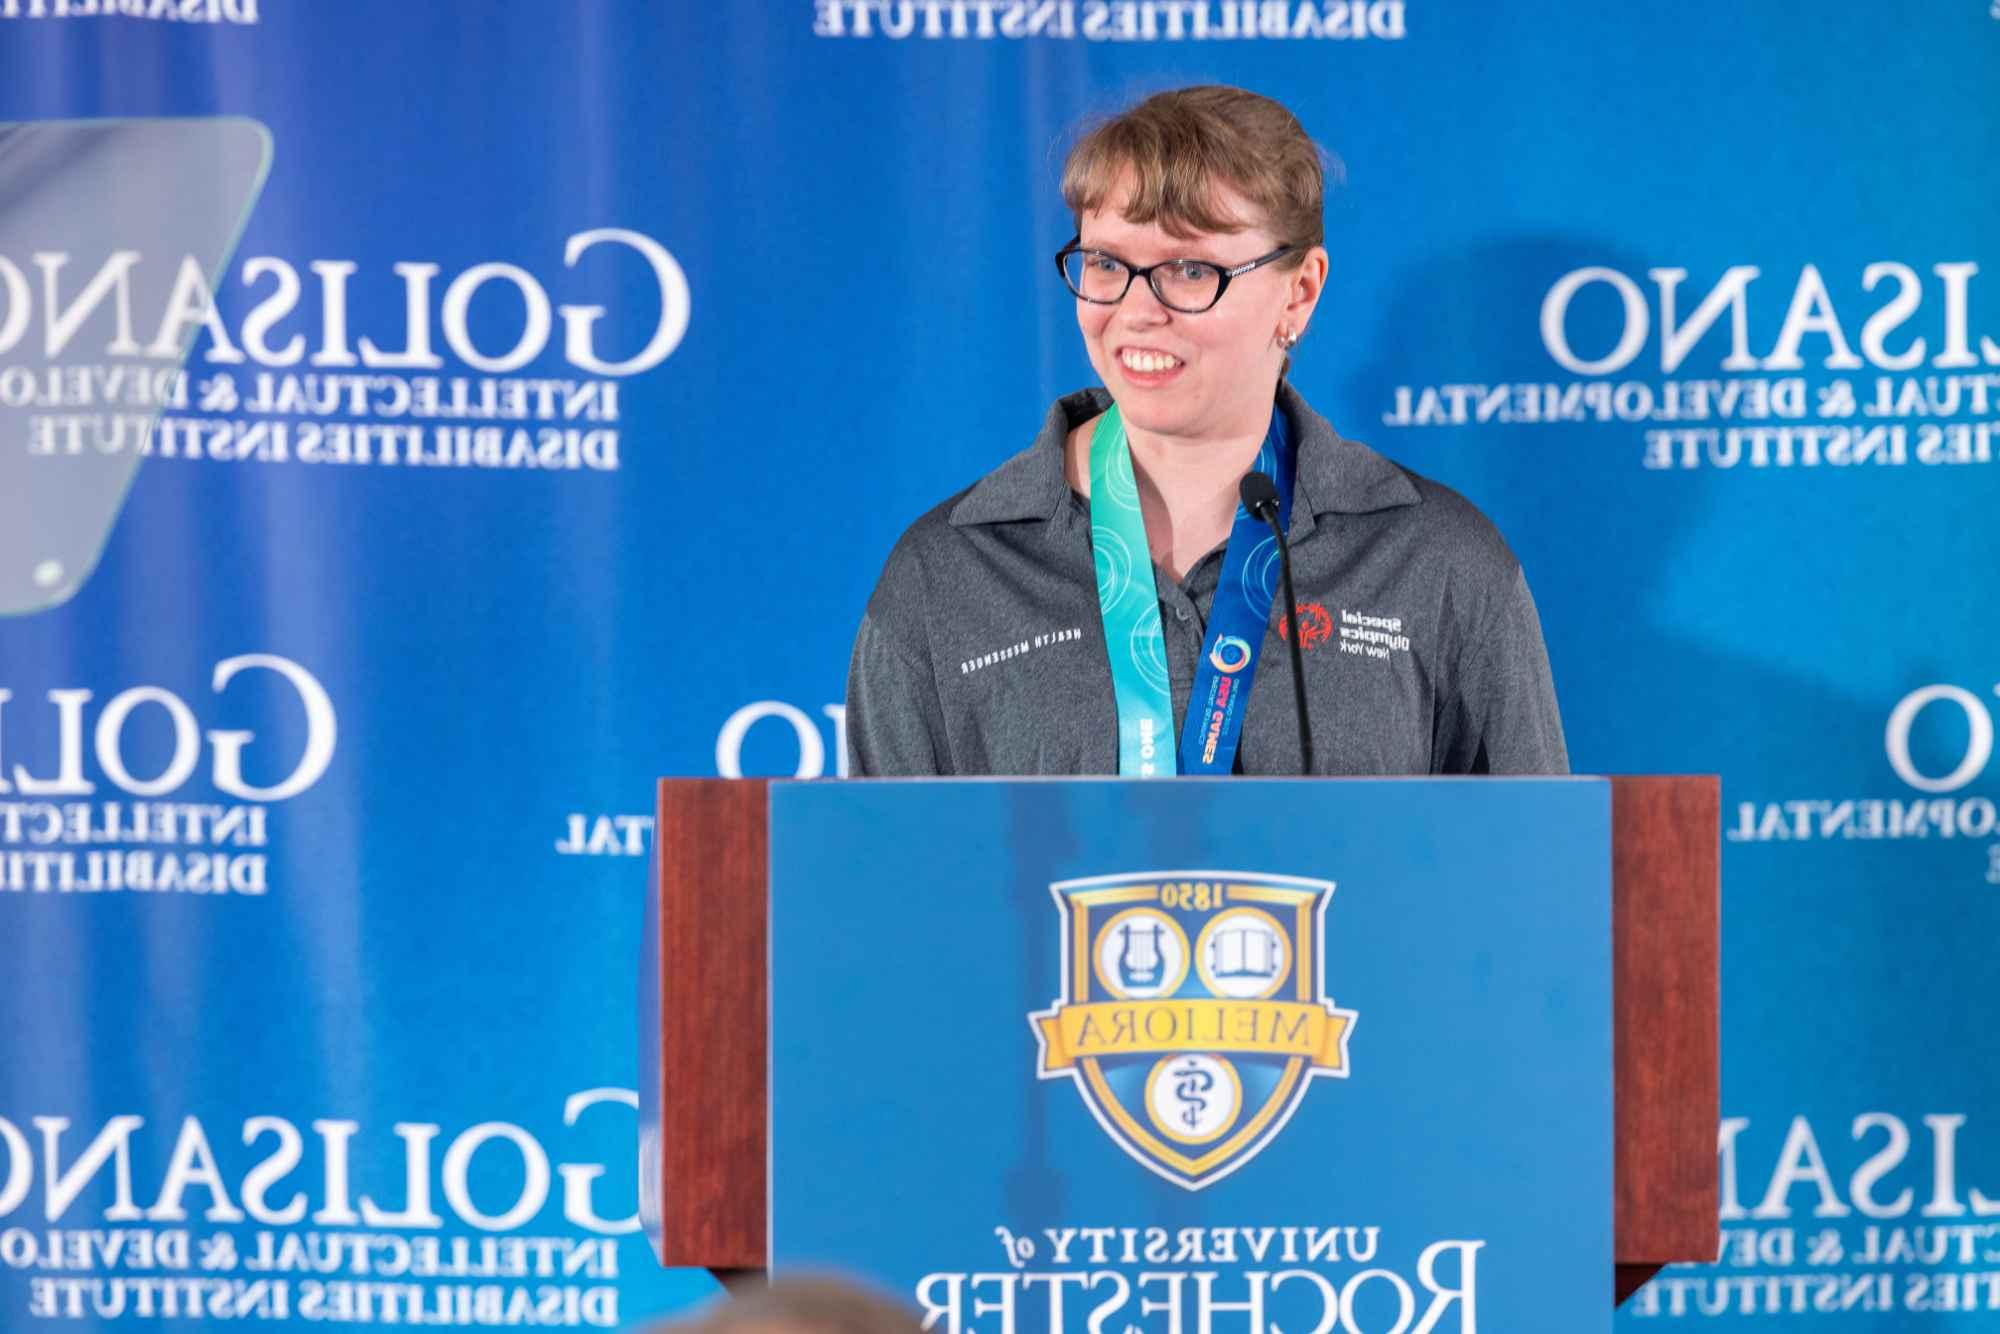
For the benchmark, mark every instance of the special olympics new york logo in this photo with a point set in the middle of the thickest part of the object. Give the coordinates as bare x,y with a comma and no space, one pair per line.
1315,625
1194,1012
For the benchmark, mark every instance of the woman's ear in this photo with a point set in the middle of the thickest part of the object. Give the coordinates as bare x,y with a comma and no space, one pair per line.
1308,281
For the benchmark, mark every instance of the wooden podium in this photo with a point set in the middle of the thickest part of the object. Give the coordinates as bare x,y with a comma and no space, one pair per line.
707,1166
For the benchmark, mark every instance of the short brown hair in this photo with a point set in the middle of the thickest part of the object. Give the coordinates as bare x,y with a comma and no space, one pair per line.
1178,146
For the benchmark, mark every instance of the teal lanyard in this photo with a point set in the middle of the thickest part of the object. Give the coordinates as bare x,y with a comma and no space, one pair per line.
1130,607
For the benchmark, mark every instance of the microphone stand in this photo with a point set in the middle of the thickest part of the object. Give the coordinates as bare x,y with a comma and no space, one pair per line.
1260,497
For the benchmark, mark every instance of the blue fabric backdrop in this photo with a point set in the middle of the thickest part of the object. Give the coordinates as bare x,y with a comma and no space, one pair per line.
1721,281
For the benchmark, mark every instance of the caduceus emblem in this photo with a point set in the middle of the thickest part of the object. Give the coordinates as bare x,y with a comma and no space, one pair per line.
1194,1012
1191,1082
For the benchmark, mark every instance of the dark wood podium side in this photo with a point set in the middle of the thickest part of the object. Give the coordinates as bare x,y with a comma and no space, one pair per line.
713,1021
1666,1001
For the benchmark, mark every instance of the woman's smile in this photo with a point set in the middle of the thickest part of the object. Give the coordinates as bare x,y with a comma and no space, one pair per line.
1148,368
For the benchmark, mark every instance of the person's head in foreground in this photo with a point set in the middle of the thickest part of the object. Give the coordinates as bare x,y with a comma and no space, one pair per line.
819,1305
1198,258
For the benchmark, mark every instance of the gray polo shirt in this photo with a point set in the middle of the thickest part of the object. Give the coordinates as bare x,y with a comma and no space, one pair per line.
982,651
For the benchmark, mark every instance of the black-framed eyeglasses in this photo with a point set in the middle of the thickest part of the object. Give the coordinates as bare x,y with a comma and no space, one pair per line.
1189,286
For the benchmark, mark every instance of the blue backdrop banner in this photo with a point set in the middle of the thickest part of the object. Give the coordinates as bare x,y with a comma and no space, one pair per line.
545,431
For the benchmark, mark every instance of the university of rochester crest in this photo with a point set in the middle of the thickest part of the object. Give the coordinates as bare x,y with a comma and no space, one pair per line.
1194,1012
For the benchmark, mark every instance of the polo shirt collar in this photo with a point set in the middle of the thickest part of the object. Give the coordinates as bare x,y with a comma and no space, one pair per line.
1335,475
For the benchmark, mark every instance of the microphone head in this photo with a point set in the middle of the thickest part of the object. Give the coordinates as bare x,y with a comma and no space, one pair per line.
1259,494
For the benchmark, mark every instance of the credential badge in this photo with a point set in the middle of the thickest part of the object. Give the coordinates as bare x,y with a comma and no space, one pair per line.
1194,1012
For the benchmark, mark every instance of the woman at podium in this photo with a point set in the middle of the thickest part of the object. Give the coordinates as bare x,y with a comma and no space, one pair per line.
1103,602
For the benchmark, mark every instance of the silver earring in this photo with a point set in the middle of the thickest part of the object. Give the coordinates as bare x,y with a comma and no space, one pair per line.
1287,339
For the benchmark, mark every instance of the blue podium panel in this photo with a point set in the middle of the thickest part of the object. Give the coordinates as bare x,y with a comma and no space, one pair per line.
1198,1057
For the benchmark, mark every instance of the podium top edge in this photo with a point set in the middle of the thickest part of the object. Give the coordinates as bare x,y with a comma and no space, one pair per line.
1182,778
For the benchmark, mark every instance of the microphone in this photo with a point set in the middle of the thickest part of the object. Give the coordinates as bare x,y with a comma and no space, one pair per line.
1260,497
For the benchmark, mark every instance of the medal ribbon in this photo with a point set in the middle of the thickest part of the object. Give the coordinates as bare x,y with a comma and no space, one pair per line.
1130,607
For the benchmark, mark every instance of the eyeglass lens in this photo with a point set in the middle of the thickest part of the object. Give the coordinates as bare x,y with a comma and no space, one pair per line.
1188,285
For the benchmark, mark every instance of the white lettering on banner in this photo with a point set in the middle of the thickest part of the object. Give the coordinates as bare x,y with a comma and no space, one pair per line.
374,1303
1943,812
675,305
82,847
614,834
227,746
1979,742
534,1176
1741,419
169,11
192,303
1555,308
193,1165
1810,311
343,444
1112,20
587,835
367,401
812,747
401,1268
577,1177
1813,1231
